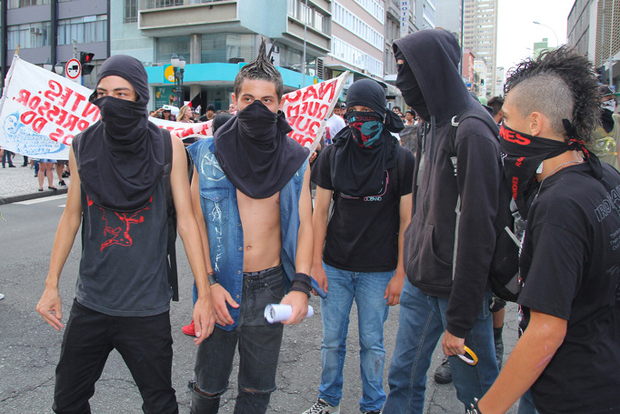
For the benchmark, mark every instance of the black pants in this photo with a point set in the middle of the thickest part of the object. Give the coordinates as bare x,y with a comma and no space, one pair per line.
145,343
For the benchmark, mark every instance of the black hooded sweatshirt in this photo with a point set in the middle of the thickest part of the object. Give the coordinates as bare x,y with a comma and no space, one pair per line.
433,57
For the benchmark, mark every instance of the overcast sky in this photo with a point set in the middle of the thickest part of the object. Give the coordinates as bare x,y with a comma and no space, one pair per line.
517,32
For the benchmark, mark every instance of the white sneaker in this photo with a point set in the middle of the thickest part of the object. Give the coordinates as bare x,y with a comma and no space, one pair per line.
321,407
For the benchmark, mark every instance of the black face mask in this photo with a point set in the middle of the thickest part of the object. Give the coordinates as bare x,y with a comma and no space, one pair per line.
256,121
365,126
522,155
122,119
410,89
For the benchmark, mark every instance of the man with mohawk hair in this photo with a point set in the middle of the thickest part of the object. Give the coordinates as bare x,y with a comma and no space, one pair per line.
252,203
569,353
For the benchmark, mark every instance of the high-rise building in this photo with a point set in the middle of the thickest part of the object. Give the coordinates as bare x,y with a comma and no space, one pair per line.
480,36
594,29
449,16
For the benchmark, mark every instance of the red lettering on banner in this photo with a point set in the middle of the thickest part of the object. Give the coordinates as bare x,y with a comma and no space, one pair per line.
71,122
30,117
325,87
62,117
65,97
82,124
310,93
91,109
56,135
53,113
34,103
55,90
24,96
43,109
293,96
78,100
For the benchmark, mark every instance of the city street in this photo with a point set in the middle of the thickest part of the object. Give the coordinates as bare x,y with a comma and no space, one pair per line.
29,348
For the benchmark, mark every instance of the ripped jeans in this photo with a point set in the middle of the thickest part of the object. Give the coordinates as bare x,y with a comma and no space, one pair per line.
259,347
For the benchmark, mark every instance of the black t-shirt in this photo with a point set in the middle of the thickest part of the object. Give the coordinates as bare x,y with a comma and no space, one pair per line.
362,234
570,264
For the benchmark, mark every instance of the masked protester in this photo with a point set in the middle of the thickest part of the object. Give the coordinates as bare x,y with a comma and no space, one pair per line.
118,194
447,288
606,136
253,204
568,355
358,253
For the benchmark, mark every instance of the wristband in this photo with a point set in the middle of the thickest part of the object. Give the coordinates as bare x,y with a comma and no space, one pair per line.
301,283
212,278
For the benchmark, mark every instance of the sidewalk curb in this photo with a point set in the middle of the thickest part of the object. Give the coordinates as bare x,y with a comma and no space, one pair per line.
31,196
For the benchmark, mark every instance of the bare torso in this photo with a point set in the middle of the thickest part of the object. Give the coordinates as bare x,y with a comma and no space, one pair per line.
262,240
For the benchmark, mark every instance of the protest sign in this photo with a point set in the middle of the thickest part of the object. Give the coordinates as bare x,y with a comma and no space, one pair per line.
307,109
40,112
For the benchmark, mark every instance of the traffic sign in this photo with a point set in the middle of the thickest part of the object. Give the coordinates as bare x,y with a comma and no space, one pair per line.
73,69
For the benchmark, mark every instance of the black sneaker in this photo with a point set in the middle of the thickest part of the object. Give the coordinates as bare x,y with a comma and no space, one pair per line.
443,375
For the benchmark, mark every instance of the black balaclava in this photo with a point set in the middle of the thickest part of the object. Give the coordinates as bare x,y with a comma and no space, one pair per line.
366,149
409,87
121,157
255,152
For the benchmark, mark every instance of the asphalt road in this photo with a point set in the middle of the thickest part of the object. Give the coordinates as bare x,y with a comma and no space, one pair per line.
29,348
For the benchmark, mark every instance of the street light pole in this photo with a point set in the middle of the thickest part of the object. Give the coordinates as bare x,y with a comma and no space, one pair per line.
557,42
178,68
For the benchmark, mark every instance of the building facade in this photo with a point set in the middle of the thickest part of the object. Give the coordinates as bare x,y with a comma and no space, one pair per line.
312,40
480,36
594,29
54,31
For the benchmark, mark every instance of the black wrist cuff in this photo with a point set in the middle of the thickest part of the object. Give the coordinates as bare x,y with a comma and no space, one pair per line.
302,283
212,278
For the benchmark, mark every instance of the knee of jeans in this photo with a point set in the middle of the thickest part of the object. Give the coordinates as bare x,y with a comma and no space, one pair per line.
203,394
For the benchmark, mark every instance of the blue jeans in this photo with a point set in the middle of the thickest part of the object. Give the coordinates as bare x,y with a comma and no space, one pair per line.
368,290
421,322
259,347
89,338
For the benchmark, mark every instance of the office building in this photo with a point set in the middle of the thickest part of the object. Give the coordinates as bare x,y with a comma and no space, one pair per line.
480,36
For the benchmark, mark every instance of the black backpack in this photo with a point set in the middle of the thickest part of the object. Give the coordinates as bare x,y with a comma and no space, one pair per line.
504,269
171,256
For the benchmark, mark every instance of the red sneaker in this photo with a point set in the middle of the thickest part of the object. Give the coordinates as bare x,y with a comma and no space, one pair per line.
189,330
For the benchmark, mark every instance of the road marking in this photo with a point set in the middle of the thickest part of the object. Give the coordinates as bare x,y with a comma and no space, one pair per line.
42,200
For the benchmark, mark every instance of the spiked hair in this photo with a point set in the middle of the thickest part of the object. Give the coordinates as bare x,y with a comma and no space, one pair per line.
260,68
560,84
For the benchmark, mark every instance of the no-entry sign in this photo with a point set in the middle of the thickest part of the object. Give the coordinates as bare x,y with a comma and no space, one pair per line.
73,69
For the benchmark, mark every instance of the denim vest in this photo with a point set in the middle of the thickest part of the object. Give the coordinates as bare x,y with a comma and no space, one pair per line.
218,199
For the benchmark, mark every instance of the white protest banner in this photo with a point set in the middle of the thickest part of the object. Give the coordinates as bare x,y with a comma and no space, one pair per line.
307,109
184,130
40,112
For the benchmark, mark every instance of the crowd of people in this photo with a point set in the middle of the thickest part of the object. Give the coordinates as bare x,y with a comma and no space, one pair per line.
409,223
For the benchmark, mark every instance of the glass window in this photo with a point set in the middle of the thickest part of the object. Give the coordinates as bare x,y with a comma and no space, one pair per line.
29,35
227,47
166,46
155,4
130,12
16,4
87,29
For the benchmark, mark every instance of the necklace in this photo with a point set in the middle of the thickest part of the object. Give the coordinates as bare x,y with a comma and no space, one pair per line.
554,171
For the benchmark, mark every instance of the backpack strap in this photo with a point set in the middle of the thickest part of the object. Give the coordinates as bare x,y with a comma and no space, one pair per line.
171,255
